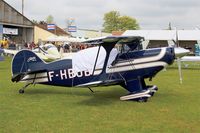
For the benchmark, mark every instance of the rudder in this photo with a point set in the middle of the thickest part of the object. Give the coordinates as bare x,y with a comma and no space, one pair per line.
26,61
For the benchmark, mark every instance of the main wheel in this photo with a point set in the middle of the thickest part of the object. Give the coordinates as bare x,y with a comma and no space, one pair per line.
21,91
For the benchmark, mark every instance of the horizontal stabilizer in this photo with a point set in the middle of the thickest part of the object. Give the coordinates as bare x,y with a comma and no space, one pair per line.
20,76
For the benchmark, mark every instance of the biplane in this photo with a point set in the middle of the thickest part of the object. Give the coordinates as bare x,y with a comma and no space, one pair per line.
113,60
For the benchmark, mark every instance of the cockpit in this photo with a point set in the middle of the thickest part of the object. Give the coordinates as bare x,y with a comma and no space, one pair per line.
126,47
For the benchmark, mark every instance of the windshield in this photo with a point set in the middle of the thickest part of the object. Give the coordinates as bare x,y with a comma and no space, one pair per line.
47,46
127,47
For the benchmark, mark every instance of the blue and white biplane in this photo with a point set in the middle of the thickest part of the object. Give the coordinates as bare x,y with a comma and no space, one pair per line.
114,60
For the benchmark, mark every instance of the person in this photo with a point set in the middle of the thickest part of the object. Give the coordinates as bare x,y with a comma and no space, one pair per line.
32,45
70,48
58,47
4,43
1,44
11,46
14,46
26,45
66,47
61,50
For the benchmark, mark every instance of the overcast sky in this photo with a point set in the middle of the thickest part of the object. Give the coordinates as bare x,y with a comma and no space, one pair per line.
151,14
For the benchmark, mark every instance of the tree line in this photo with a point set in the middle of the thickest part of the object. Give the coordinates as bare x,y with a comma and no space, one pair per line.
113,21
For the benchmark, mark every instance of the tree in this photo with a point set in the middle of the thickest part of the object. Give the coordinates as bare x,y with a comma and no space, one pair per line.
114,22
111,21
127,23
50,19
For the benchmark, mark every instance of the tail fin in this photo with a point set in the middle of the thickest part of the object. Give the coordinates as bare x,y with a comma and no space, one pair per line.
26,61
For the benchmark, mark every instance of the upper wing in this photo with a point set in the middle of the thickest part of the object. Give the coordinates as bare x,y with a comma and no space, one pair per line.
112,39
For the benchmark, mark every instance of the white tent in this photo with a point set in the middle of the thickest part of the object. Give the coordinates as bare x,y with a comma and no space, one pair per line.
182,35
51,38
64,39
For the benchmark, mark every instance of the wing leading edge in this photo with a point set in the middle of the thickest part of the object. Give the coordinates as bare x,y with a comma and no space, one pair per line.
112,40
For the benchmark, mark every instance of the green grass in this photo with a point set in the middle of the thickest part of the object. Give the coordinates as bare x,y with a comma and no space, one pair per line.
175,108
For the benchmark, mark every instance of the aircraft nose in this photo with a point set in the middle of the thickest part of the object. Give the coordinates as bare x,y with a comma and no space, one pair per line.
180,52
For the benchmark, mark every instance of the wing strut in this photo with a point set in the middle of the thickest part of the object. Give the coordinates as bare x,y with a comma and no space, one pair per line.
96,59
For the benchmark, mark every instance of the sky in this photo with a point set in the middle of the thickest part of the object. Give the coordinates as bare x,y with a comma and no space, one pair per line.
88,14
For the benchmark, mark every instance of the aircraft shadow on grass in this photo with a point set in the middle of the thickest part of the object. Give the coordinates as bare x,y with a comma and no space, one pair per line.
69,91
99,97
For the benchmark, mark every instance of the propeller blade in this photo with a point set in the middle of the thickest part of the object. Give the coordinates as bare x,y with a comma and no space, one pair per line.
180,52
179,70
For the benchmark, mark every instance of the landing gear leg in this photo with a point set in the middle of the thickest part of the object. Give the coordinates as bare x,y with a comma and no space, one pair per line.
21,91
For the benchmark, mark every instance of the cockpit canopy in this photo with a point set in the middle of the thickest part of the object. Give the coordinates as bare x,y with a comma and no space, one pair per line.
47,46
134,45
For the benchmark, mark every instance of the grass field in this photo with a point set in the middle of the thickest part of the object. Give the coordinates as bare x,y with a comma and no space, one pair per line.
175,108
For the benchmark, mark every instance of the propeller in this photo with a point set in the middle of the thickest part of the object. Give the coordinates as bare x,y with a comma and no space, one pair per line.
179,52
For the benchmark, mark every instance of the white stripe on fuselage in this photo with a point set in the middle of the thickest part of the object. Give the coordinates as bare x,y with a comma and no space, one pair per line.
134,64
136,67
143,60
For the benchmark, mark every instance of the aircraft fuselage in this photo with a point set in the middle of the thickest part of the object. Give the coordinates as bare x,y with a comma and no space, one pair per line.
127,66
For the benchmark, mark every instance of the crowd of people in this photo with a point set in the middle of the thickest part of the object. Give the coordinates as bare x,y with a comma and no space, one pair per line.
64,46
8,44
72,47
31,45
